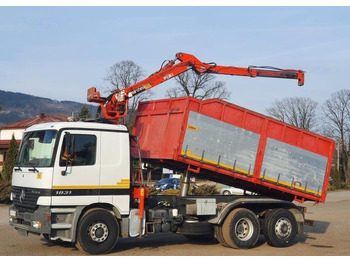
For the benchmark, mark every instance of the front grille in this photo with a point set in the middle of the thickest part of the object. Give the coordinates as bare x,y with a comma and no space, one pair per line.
25,197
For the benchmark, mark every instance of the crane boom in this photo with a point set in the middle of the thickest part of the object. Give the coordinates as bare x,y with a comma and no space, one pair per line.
114,107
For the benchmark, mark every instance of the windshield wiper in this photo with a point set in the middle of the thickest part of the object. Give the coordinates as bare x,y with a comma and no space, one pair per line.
18,168
33,169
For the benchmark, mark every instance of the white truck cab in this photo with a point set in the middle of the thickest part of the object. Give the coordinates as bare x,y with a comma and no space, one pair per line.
63,168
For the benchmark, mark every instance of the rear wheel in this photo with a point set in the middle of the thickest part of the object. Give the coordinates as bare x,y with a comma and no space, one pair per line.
241,229
280,227
98,232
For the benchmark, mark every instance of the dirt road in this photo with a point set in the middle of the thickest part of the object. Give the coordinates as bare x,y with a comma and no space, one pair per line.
330,237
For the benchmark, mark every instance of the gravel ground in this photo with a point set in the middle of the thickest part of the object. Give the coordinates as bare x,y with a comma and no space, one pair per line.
330,237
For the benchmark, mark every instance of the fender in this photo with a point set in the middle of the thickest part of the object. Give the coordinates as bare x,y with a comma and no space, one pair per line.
253,204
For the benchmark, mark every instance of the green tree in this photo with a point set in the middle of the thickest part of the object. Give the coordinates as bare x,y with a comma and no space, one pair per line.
6,175
84,113
335,175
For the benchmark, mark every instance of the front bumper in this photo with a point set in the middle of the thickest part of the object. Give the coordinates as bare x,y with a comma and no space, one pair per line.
30,221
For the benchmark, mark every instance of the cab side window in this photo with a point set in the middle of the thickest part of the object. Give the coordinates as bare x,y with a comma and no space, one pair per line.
81,150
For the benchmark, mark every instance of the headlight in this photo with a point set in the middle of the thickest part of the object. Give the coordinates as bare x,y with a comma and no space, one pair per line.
13,213
36,224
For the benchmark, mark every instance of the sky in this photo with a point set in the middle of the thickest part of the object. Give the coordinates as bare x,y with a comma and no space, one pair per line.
58,52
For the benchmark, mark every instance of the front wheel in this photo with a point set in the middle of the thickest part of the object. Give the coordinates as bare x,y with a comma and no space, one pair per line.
280,227
219,235
98,232
241,229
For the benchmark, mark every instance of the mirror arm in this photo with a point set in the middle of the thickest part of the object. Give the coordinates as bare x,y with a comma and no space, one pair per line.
64,173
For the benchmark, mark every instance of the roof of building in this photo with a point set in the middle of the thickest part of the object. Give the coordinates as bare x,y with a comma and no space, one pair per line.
4,144
41,118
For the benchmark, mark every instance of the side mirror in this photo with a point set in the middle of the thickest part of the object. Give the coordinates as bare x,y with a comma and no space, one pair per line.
67,151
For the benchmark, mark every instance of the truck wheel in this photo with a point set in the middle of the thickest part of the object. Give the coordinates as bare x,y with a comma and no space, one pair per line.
98,232
280,227
219,237
241,229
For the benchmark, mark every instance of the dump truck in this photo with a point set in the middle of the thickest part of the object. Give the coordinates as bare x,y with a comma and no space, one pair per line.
75,181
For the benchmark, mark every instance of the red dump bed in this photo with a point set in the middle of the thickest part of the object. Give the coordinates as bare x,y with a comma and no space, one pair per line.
228,144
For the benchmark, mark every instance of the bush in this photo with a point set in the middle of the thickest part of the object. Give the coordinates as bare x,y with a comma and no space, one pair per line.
331,188
171,192
335,176
152,191
5,191
6,174
204,190
345,186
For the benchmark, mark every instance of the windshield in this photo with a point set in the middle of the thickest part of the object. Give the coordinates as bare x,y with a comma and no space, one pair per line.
37,149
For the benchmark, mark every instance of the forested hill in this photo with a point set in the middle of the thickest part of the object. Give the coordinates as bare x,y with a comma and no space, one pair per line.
19,106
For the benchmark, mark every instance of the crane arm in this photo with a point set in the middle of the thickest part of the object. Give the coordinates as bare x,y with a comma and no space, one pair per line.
115,106
252,71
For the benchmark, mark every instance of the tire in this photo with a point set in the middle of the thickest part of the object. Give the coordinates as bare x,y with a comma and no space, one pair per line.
241,229
280,227
98,232
219,236
226,193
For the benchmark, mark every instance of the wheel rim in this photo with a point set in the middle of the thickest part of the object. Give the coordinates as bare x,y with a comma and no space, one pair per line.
283,228
244,229
98,232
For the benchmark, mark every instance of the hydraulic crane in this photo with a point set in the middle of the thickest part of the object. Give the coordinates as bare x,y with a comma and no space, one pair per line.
114,107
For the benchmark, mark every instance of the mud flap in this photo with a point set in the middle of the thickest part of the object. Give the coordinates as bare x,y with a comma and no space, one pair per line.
310,223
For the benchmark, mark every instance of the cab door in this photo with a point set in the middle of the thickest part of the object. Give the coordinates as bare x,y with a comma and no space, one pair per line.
76,179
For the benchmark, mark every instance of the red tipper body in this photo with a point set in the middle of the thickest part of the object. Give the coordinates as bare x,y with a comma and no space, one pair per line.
228,144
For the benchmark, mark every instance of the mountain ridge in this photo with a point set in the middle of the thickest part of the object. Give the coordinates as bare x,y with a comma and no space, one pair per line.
18,106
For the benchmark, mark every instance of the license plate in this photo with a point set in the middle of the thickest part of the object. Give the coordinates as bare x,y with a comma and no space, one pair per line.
23,232
13,213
